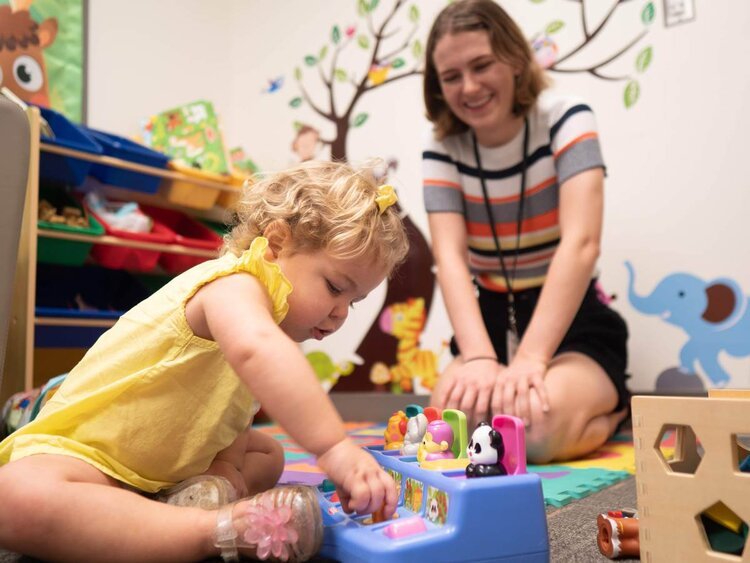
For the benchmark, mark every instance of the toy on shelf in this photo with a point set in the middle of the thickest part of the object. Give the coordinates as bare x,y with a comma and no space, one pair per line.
693,498
441,515
617,534
486,450
190,134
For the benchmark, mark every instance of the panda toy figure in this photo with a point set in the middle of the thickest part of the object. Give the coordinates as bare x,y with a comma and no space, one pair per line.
485,450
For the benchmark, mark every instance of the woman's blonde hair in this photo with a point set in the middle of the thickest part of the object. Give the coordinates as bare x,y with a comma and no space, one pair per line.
328,206
508,44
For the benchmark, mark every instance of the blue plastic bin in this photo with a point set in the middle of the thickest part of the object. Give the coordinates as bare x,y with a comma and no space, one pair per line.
66,169
125,149
86,292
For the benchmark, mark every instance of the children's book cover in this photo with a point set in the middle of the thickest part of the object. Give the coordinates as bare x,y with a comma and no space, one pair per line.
190,134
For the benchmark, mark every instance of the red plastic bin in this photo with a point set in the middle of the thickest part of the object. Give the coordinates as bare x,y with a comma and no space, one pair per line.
126,258
188,232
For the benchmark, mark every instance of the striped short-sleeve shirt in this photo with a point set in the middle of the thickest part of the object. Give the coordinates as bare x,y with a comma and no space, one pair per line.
563,142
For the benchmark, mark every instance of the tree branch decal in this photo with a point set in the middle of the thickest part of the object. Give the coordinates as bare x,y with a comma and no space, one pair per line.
546,50
382,68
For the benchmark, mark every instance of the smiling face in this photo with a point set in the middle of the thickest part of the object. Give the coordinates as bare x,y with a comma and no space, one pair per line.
324,290
478,87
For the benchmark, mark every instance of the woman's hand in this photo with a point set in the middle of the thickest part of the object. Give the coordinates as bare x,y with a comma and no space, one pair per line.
361,483
467,386
513,388
223,468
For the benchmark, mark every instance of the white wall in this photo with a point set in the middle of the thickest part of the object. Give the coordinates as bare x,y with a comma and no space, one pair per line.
677,191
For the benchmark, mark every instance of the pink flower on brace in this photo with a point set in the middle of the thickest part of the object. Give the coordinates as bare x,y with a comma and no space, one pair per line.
270,530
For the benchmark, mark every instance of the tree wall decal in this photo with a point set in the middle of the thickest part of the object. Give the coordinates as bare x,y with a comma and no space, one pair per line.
546,49
344,88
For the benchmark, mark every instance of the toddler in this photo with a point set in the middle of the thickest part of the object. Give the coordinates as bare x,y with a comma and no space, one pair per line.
160,407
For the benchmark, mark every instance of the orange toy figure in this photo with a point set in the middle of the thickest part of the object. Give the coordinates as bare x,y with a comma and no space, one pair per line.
394,432
617,537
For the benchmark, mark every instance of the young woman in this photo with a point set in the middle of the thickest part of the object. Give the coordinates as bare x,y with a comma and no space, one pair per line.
513,184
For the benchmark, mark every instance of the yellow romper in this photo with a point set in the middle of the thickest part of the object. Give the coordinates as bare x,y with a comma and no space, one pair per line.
152,404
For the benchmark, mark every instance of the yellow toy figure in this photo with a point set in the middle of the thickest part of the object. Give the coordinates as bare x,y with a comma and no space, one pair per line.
437,442
394,432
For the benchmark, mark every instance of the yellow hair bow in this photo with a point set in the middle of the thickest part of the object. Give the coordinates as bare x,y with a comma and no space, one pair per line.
386,197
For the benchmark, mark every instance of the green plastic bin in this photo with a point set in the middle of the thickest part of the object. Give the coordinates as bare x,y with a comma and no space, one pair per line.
61,251
219,228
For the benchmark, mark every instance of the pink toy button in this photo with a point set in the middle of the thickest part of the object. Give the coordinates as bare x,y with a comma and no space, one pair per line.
405,528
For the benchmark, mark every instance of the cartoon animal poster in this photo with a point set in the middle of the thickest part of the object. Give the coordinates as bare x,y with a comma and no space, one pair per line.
42,53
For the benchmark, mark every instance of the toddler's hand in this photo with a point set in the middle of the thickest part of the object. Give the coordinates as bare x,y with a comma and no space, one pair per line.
361,483
225,469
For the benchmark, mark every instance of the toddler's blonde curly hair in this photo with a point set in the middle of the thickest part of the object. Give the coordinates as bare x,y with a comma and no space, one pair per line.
328,206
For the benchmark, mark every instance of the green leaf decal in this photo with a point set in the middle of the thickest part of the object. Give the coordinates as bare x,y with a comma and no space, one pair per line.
648,13
374,4
363,41
644,59
416,49
398,63
340,75
335,34
296,102
297,125
362,7
323,52
413,13
554,27
360,119
298,73
632,91
310,60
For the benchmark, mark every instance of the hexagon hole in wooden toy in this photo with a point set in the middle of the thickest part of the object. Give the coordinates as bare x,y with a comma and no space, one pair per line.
679,448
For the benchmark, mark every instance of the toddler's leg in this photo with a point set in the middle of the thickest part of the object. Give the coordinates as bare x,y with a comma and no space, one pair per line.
60,508
263,463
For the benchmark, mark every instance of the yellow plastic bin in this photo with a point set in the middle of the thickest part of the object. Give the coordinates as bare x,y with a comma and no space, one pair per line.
236,182
184,192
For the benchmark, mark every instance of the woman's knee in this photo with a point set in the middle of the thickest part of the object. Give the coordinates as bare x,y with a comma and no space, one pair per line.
543,435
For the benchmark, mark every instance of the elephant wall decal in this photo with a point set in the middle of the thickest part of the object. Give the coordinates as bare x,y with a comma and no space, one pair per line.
714,314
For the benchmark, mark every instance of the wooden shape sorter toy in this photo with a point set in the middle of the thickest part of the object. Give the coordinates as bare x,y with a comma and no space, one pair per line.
443,516
692,477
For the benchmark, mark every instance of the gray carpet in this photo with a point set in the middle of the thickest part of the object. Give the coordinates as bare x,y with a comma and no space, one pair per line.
572,528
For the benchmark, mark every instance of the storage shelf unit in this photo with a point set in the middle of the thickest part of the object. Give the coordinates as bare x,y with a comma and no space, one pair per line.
19,361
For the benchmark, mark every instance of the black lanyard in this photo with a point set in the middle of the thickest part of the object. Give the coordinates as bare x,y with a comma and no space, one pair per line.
508,276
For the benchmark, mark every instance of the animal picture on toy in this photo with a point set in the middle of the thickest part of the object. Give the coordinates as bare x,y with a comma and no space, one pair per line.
41,53
437,506
485,450
413,494
397,478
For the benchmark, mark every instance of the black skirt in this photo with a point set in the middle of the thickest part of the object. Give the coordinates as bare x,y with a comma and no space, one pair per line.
597,331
